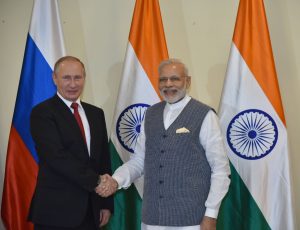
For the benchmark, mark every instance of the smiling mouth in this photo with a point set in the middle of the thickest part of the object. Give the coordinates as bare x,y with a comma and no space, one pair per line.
170,92
72,91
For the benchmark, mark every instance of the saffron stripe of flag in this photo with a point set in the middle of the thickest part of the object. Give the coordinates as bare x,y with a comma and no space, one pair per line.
138,90
44,46
253,123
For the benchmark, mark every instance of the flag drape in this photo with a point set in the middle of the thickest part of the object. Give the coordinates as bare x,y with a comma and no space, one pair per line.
44,46
253,123
139,89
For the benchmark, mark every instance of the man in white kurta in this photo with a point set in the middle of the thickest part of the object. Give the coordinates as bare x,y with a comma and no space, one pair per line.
173,83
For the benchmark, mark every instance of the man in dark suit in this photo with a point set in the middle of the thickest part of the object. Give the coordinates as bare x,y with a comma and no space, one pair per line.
71,141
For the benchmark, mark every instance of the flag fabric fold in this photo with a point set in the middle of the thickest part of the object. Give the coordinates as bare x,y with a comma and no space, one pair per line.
44,46
253,123
138,90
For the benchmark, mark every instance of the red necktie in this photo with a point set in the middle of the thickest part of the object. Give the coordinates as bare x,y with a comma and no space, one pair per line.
78,119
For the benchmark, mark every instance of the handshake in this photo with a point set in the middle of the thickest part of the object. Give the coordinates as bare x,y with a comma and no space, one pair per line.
107,186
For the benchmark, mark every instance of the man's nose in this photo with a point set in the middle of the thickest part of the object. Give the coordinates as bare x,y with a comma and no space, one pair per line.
72,82
169,82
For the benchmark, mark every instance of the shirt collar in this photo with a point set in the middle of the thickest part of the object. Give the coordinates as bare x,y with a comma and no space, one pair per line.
181,103
67,102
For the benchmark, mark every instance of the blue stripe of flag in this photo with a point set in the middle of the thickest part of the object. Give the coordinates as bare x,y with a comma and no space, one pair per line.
35,86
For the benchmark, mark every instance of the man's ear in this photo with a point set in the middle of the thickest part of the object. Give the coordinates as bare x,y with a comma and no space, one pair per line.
54,78
188,82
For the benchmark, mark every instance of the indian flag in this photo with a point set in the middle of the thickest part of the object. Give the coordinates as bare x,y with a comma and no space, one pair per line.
139,89
254,127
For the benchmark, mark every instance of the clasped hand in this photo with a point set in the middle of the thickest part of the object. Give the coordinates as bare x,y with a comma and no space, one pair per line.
107,186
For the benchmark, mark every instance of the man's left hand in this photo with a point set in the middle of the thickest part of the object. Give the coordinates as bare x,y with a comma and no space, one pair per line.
104,216
208,223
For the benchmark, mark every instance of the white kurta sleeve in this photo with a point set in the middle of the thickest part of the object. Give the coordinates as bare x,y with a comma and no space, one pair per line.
212,141
134,168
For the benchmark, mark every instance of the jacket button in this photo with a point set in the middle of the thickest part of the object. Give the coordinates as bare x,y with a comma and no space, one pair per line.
161,181
162,151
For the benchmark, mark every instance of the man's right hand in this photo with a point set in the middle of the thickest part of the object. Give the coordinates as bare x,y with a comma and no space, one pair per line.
107,186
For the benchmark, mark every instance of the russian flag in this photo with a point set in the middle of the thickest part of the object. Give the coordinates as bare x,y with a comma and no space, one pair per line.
44,46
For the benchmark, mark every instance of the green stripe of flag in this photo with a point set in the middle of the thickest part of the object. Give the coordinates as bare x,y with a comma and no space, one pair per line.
239,210
128,203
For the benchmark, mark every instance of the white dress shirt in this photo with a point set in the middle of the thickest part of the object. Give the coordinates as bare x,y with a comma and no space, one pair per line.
210,138
83,117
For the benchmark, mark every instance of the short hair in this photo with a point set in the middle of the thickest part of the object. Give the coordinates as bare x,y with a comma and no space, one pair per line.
172,61
70,58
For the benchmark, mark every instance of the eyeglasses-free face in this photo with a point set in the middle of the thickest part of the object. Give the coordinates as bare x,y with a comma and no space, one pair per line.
70,79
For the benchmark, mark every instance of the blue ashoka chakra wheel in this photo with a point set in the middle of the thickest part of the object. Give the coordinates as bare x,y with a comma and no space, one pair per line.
129,125
252,134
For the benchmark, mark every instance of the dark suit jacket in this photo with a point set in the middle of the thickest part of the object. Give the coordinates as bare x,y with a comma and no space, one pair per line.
67,174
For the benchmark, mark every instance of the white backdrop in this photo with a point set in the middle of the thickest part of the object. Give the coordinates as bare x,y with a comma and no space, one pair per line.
198,32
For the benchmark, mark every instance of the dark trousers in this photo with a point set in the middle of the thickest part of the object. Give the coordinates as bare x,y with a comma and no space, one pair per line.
88,223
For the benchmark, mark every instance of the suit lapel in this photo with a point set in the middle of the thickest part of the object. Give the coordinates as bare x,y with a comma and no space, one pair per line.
67,115
89,116
65,112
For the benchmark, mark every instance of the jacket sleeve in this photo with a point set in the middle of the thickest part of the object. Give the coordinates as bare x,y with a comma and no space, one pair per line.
59,150
105,160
